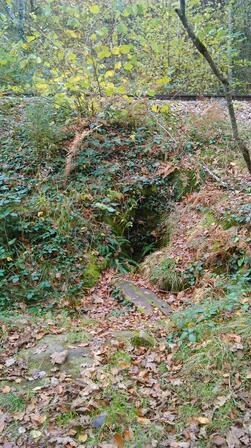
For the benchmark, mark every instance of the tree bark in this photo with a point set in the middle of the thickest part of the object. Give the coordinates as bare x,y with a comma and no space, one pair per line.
9,11
21,17
240,144
230,42
32,5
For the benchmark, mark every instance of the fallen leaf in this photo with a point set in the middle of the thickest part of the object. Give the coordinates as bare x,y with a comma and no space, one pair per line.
35,434
143,420
128,435
10,362
2,423
233,437
36,418
59,357
219,441
6,390
119,440
202,420
166,169
220,401
82,437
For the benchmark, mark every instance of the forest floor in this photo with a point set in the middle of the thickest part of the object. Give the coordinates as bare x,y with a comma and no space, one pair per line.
100,372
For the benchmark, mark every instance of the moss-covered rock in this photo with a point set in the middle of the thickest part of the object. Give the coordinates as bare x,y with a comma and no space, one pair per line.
143,339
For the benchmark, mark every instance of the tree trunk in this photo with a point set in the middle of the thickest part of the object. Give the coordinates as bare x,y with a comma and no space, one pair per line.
21,17
240,144
32,5
230,42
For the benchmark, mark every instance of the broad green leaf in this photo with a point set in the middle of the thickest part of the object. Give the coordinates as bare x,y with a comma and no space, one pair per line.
121,89
128,66
109,74
30,38
165,109
163,81
103,54
72,34
122,28
94,9
93,37
116,51
125,49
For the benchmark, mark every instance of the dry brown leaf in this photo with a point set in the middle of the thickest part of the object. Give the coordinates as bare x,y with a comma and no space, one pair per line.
143,420
118,439
2,423
203,420
6,390
37,418
219,441
10,362
128,435
166,169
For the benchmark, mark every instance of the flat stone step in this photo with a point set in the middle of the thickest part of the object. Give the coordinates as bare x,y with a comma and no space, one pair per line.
142,297
40,357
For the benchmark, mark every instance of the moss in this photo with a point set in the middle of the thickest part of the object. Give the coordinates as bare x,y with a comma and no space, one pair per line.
143,339
208,219
92,271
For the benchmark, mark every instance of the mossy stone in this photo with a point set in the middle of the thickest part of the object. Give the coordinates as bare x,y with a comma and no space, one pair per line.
143,339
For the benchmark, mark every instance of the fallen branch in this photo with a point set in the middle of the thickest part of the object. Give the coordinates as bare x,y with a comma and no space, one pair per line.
75,147
240,144
217,178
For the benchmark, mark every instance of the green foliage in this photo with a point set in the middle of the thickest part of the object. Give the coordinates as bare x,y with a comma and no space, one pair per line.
172,278
71,51
197,321
11,402
56,241
42,128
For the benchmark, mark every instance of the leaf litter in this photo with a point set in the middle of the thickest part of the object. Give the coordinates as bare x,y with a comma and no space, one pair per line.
128,395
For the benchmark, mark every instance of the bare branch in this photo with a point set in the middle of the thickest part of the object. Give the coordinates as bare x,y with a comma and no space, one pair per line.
221,77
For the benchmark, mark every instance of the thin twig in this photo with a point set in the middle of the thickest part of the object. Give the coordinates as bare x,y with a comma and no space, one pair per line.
161,126
216,178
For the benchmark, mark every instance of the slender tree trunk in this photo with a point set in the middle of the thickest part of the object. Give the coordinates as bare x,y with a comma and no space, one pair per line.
32,5
9,11
230,42
240,144
21,17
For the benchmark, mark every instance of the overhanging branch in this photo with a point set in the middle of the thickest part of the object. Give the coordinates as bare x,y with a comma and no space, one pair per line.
224,80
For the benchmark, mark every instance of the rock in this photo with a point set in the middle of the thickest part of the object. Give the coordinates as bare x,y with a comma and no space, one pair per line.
142,298
59,357
42,357
143,339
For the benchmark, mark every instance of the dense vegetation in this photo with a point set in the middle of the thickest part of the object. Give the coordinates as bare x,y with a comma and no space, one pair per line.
103,185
